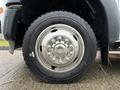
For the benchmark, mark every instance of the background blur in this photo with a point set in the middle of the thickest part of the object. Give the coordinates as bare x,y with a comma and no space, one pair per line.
2,5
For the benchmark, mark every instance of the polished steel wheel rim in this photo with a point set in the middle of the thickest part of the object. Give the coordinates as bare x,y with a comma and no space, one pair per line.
59,48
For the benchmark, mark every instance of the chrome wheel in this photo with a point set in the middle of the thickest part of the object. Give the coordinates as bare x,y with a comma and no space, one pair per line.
59,48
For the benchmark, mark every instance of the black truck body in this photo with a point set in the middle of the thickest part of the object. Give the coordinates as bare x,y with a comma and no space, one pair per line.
109,8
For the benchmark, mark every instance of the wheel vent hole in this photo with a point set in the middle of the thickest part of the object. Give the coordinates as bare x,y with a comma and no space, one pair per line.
75,59
75,37
53,67
54,30
40,48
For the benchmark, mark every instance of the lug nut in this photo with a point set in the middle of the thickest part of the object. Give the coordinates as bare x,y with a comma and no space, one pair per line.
53,40
62,42
66,40
54,59
60,37
49,46
53,45
66,45
60,61
71,52
57,42
67,58
49,53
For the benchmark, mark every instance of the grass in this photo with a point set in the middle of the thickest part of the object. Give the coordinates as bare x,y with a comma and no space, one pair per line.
3,43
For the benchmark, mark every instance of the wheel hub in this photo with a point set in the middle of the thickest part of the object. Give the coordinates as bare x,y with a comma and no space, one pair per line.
59,46
60,49
60,52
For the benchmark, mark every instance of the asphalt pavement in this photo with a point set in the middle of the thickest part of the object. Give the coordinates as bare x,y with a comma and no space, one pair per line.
14,75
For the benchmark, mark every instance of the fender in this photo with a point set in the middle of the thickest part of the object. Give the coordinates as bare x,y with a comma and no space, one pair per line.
112,14
111,11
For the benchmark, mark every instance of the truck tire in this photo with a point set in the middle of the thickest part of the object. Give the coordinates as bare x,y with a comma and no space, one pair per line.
59,47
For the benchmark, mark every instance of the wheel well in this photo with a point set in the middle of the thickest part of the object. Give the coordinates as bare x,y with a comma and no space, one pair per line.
90,10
